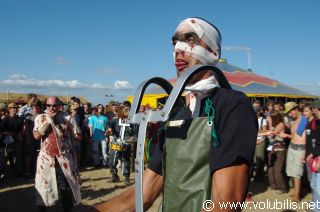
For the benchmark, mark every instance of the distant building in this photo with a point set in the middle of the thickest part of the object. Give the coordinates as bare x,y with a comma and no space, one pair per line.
253,85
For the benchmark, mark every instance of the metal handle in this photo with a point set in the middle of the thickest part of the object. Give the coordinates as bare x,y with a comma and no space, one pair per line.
142,119
139,95
161,115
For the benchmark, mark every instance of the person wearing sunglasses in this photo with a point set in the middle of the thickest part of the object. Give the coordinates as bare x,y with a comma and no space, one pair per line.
57,171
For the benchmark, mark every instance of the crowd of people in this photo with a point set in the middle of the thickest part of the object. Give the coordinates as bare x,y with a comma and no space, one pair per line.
288,146
51,142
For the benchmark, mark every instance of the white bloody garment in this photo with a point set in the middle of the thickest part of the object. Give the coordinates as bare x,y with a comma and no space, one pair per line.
63,134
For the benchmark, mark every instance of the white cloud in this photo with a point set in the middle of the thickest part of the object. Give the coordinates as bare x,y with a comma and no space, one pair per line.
22,81
30,82
122,85
95,92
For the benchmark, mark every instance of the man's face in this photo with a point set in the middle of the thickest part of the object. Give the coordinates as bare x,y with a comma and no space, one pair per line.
293,113
277,107
74,103
94,111
4,112
100,109
316,111
32,100
182,60
52,105
73,112
270,107
126,108
13,111
114,108
86,108
307,112
36,109
281,108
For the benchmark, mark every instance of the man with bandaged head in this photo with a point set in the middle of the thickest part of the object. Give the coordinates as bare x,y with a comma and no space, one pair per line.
196,41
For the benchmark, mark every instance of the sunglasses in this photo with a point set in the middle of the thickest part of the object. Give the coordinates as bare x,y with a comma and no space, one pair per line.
50,105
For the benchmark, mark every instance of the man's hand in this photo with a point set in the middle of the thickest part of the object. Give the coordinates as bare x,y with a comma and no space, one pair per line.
51,113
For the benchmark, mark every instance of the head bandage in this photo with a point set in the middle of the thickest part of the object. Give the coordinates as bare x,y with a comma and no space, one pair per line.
208,34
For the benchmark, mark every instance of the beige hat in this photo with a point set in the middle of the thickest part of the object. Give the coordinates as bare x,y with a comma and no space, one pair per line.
13,105
3,105
290,106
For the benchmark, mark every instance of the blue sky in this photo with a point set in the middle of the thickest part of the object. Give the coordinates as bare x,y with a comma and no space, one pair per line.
97,48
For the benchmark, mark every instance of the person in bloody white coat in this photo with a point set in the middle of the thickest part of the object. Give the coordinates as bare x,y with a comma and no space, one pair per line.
57,172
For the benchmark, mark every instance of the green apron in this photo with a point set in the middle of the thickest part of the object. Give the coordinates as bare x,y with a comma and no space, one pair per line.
187,178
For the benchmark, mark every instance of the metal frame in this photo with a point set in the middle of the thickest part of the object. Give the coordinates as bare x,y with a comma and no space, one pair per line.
161,115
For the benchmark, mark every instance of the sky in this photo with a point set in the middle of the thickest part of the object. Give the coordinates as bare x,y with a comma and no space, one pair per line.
102,49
